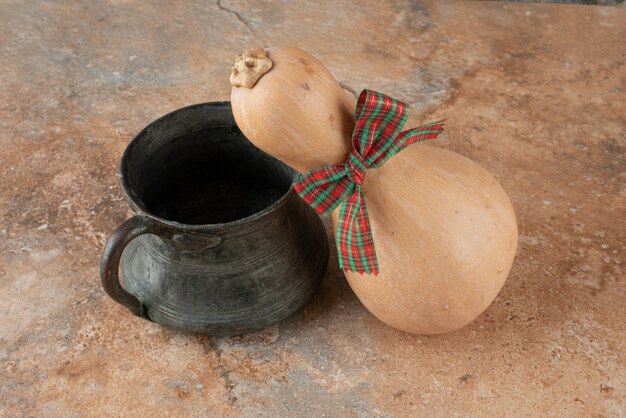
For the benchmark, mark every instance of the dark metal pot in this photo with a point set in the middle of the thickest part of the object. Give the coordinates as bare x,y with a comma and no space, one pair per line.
221,244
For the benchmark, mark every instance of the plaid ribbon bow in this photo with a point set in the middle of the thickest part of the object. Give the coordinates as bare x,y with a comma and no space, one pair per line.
375,139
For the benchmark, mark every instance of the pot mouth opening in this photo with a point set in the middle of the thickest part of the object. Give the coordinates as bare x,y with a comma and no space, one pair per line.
193,169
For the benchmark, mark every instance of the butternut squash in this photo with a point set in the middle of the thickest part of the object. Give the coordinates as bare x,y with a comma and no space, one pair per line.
444,229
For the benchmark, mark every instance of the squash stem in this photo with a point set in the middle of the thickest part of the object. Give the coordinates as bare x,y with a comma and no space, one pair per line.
249,68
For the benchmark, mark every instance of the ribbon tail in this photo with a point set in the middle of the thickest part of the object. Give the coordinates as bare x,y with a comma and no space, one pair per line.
355,243
408,137
422,133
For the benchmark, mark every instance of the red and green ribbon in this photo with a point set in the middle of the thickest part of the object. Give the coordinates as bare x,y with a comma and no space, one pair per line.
375,139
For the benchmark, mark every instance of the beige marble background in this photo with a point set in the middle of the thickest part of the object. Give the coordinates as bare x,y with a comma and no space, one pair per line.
534,92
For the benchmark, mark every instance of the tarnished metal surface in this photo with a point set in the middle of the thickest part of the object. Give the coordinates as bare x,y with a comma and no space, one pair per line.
221,243
534,92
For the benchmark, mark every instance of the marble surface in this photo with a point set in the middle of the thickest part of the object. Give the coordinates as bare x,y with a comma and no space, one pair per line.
534,92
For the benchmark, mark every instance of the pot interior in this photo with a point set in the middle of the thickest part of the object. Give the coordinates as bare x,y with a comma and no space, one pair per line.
195,167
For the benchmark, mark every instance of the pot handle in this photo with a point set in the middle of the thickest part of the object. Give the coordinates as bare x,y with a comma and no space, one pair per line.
109,267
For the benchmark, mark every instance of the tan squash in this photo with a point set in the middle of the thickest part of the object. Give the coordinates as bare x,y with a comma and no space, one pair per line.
444,229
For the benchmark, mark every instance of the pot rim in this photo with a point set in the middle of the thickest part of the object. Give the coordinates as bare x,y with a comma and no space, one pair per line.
136,204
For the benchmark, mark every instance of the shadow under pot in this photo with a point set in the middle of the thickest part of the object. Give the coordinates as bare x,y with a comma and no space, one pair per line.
220,243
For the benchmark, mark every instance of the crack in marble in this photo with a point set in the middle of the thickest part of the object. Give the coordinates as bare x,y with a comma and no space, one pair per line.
239,17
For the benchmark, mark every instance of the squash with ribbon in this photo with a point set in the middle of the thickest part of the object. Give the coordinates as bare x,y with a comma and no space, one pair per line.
425,236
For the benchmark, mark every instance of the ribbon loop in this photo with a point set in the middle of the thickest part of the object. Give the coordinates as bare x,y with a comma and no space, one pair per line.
376,137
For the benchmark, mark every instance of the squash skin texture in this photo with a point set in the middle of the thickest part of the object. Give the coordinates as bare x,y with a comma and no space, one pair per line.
296,112
444,229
